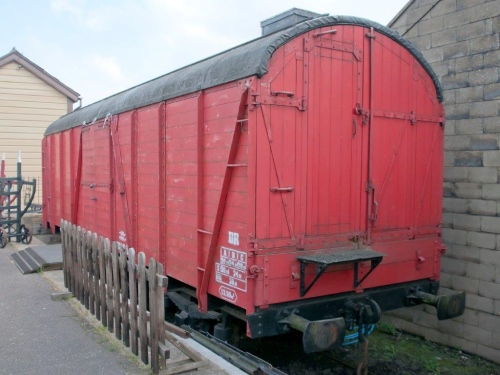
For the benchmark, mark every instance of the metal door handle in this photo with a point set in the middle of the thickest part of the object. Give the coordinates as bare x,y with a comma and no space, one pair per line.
283,189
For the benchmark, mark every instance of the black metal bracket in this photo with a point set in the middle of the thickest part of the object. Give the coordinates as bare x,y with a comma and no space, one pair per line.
319,272
323,261
373,264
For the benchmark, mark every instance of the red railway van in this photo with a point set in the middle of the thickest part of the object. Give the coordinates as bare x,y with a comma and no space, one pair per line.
294,181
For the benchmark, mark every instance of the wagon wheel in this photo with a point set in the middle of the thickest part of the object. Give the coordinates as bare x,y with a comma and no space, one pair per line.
3,238
25,234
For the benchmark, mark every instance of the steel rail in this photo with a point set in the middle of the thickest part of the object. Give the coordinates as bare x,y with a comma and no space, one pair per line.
243,360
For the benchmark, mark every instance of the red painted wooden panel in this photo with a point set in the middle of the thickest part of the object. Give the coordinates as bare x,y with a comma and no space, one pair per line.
148,154
46,208
56,178
314,142
330,191
407,158
123,201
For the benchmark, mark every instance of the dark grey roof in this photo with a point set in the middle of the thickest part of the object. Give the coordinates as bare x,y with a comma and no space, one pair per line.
246,60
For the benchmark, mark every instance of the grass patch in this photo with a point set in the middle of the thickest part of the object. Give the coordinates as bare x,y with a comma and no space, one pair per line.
416,355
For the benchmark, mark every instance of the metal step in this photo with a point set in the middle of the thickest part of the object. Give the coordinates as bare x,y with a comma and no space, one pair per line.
322,260
39,258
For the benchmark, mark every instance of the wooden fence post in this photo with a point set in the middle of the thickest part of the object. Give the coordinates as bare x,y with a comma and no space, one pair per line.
109,284
64,229
95,268
124,299
78,273
102,281
153,317
81,283
85,285
73,259
90,272
132,282
160,307
116,290
105,278
143,318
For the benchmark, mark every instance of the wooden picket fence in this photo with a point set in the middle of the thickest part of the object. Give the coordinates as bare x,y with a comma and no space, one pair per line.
107,280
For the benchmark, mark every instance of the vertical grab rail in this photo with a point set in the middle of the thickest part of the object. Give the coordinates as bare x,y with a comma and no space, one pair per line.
370,188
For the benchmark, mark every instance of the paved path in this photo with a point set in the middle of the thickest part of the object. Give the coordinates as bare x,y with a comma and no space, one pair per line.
40,336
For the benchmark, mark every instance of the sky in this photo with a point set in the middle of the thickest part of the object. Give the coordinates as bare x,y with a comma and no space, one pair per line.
101,47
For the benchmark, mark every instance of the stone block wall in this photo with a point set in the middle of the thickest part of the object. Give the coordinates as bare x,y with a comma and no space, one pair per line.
460,38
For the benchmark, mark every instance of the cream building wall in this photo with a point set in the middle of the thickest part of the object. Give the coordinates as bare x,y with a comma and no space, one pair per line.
28,104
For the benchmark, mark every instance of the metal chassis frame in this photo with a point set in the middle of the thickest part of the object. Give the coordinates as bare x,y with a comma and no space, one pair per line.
265,322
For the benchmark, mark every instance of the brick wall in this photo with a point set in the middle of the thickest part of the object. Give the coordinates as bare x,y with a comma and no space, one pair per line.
460,38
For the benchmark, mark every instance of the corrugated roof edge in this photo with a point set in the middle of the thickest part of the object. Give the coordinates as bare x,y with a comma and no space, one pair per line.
243,61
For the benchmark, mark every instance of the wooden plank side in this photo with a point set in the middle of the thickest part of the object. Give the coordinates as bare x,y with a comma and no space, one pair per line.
9,102
148,163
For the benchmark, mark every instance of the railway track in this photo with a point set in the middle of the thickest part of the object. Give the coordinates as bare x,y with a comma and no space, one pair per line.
280,356
245,361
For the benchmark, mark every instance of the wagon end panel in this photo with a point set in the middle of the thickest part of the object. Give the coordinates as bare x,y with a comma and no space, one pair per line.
407,157
337,133
280,135
312,158
407,143
366,170
312,142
